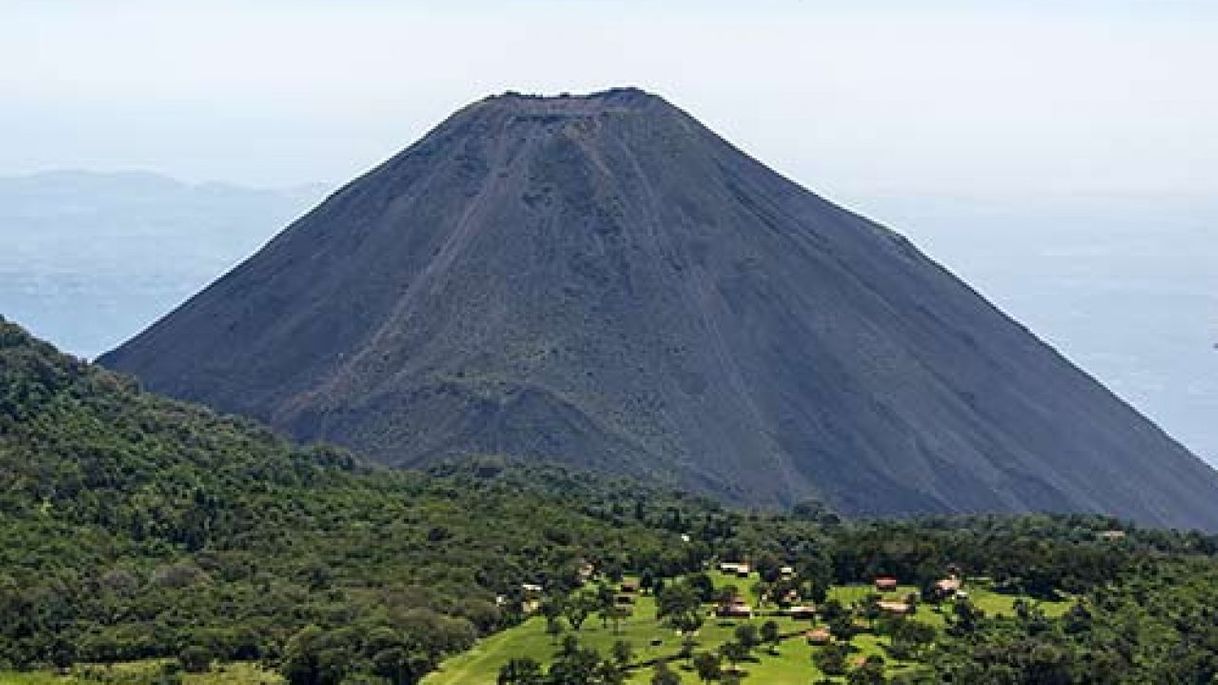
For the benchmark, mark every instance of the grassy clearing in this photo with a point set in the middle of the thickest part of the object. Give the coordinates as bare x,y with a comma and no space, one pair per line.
642,630
791,662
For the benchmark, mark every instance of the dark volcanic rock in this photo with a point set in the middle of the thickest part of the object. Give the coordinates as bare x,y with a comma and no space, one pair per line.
603,280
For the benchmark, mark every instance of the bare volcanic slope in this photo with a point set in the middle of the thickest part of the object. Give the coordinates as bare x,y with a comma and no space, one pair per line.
603,280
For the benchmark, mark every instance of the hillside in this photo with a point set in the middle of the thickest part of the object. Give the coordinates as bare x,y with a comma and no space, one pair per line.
603,280
132,526
141,536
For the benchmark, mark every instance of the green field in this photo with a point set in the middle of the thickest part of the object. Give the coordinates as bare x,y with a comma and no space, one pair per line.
481,664
791,663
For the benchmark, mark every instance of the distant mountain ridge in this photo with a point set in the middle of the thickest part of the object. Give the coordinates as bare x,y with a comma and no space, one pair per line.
602,279
87,258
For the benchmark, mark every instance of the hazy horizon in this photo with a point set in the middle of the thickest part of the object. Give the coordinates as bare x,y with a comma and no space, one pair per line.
1006,100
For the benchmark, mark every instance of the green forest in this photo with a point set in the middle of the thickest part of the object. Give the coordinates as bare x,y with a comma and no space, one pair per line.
137,529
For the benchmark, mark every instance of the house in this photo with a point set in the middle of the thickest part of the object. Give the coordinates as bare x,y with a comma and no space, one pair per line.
630,587
734,611
895,608
738,568
786,571
1112,535
819,636
803,612
885,584
531,588
586,571
947,587
737,608
530,606
623,599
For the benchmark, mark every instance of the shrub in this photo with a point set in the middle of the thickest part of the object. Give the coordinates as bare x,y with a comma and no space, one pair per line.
195,659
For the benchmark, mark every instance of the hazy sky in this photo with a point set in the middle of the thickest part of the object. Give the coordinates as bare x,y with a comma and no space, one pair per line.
862,97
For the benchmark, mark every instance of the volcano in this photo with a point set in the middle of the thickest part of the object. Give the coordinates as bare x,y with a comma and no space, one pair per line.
604,281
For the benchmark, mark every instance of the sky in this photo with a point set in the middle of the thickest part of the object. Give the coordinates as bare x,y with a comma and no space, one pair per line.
979,99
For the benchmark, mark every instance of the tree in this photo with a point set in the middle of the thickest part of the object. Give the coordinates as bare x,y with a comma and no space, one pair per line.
909,638
662,675
689,622
708,666
869,607
871,672
577,608
606,598
832,609
1050,664
398,666
195,659
769,568
622,653
577,665
647,580
747,635
553,629
63,653
301,656
965,617
815,569
521,671
678,606
688,642
552,607
771,635
675,599
1078,619
842,626
831,658
702,585
609,673
569,647
734,652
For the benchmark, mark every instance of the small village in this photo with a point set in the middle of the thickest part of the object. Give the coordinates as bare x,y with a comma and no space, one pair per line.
736,622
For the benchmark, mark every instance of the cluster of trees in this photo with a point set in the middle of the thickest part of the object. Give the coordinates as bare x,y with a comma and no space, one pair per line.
1155,622
573,664
134,527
